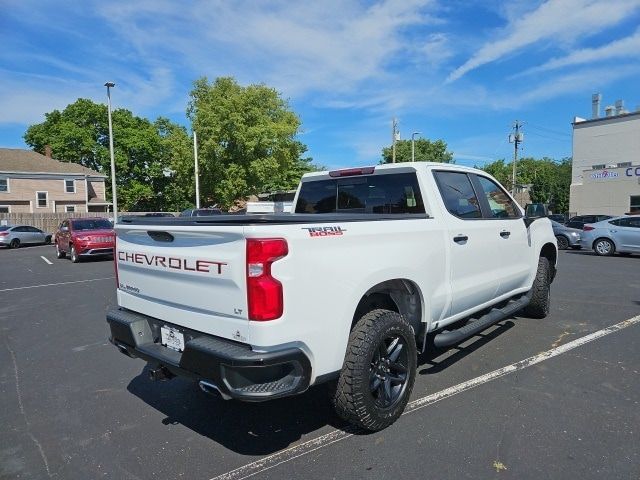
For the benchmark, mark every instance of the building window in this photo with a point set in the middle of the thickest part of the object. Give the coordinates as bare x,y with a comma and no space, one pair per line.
4,185
42,199
634,204
69,208
5,209
623,164
70,186
602,166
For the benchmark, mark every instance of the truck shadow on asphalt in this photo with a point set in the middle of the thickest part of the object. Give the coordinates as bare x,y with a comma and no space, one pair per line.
245,428
265,428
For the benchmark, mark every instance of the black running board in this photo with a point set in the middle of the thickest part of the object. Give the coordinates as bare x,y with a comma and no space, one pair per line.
451,337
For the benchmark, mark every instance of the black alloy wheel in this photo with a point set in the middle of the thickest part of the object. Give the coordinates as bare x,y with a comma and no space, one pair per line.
15,243
388,376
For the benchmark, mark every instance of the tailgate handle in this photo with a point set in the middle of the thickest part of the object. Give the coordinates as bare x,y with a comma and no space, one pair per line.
160,236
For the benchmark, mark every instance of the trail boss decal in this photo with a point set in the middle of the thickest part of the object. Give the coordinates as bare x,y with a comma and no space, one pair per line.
324,231
174,263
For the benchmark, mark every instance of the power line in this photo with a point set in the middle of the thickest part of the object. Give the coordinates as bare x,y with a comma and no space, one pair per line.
548,130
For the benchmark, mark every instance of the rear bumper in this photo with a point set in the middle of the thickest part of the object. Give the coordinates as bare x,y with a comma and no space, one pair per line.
233,368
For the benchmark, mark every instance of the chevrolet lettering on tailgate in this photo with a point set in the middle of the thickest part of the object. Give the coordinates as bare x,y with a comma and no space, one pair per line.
175,263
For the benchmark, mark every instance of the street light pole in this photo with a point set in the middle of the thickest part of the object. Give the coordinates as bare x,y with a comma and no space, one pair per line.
197,172
109,85
413,146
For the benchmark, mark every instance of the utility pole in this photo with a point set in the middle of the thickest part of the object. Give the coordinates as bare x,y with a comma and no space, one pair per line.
516,138
197,173
109,86
394,137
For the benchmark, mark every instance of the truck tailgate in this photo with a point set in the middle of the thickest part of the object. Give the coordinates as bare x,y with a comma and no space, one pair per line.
183,271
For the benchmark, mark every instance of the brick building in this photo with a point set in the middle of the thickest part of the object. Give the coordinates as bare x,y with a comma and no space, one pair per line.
31,182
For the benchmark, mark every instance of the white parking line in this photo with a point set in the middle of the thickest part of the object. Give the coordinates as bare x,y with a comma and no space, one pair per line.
54,284
46,259
297,451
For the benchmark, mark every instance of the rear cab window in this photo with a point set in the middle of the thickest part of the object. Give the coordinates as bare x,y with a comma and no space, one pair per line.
390,193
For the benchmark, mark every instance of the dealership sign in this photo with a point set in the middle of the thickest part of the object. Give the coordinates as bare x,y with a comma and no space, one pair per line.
604,174
631,171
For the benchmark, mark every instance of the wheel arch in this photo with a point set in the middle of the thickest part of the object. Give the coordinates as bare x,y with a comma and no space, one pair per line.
550,252
400,295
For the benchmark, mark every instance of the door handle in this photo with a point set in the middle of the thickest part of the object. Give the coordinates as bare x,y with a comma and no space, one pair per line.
505,234
460,238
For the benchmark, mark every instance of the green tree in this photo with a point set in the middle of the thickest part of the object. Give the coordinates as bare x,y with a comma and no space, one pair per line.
147,155
425,151
247,140
549,179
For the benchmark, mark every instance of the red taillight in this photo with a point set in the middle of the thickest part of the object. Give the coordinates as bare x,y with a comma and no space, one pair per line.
350,172
4,234
264,293
586,228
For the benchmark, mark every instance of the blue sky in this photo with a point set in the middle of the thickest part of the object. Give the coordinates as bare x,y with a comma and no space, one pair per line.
456,70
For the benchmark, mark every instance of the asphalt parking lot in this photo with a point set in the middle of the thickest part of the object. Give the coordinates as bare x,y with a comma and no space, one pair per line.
73,407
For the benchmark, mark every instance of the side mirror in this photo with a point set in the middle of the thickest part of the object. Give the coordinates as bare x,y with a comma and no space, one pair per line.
64,229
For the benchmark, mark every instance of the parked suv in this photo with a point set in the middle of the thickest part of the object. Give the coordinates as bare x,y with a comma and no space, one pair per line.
13,236
84,237
580,221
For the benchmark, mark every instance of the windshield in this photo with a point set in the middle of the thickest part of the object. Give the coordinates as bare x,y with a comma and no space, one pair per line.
97,224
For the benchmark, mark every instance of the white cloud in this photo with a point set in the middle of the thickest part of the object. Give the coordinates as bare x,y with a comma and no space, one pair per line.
555,20
623,48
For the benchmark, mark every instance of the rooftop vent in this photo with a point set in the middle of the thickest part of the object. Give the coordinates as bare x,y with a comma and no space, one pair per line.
620,107
595,105
609,111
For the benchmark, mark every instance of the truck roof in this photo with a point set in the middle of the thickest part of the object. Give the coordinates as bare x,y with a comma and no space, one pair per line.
403,166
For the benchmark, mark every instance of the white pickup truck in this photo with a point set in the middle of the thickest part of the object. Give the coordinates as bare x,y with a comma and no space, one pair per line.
374,264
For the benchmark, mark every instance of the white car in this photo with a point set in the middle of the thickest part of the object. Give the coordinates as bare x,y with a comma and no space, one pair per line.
14,236
345,289
614,235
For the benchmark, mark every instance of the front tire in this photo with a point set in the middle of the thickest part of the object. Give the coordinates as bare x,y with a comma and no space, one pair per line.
47,240
540,303
378,372
59,253
75,258
604,247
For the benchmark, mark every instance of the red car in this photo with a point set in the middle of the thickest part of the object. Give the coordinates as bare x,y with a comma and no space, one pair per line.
85,237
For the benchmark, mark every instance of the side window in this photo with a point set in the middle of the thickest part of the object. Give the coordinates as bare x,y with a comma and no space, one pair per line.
634,222
623,222
500,205
458,195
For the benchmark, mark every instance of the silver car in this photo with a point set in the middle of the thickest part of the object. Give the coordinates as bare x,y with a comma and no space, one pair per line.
12,236
566,236
614,235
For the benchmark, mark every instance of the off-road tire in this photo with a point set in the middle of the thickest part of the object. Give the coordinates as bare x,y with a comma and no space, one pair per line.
604,247
353,399
15,243
541,291
563,242
59,253
75,258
